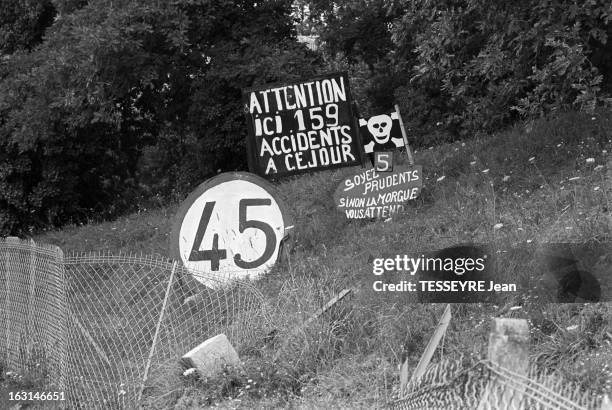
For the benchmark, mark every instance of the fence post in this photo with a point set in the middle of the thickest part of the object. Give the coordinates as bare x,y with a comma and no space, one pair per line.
508,348
4,292
13,321
30,324
606,403
60,282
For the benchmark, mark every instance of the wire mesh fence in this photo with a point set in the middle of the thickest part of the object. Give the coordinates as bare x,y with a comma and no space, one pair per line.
110,330
483,385
33,320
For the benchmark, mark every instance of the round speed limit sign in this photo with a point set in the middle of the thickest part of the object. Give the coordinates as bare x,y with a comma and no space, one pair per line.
231,226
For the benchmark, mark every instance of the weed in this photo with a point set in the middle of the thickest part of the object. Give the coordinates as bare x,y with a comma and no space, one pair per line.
510,190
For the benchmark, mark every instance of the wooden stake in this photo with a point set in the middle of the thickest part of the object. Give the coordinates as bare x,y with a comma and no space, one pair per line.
159,322
318,313
327,306
429,350
408,151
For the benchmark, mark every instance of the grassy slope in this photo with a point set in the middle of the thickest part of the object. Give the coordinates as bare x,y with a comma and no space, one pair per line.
349,357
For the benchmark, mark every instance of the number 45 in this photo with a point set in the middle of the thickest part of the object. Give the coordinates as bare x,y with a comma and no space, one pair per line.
214,255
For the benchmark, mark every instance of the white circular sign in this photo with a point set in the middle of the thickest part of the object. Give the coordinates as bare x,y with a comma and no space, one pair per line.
231,226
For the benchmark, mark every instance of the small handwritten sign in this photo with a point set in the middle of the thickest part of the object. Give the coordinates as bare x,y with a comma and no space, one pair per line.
372,194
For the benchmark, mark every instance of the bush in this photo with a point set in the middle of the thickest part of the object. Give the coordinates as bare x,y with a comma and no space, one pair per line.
479,66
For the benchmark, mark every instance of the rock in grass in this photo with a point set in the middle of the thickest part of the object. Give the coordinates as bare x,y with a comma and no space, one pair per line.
210,357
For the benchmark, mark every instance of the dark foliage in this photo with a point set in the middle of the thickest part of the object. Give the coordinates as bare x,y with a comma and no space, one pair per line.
109,106
23,24
460,67
131,102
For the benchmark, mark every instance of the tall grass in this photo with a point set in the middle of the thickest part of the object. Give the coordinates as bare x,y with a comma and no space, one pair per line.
527,185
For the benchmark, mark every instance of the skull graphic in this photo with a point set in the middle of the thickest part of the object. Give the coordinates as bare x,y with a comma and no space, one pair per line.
380,128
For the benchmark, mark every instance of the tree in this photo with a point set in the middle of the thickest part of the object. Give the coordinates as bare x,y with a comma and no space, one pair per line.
23,24
458,67
116,79
360,32
481,65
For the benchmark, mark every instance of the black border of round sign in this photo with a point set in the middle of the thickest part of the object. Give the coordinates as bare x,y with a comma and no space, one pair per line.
217,180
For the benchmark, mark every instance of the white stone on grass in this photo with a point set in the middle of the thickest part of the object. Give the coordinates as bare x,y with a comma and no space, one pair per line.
210,357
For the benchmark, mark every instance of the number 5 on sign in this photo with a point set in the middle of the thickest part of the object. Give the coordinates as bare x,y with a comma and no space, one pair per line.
232,225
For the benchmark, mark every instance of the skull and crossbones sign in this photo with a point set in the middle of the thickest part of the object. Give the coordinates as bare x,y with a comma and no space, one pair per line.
379,127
